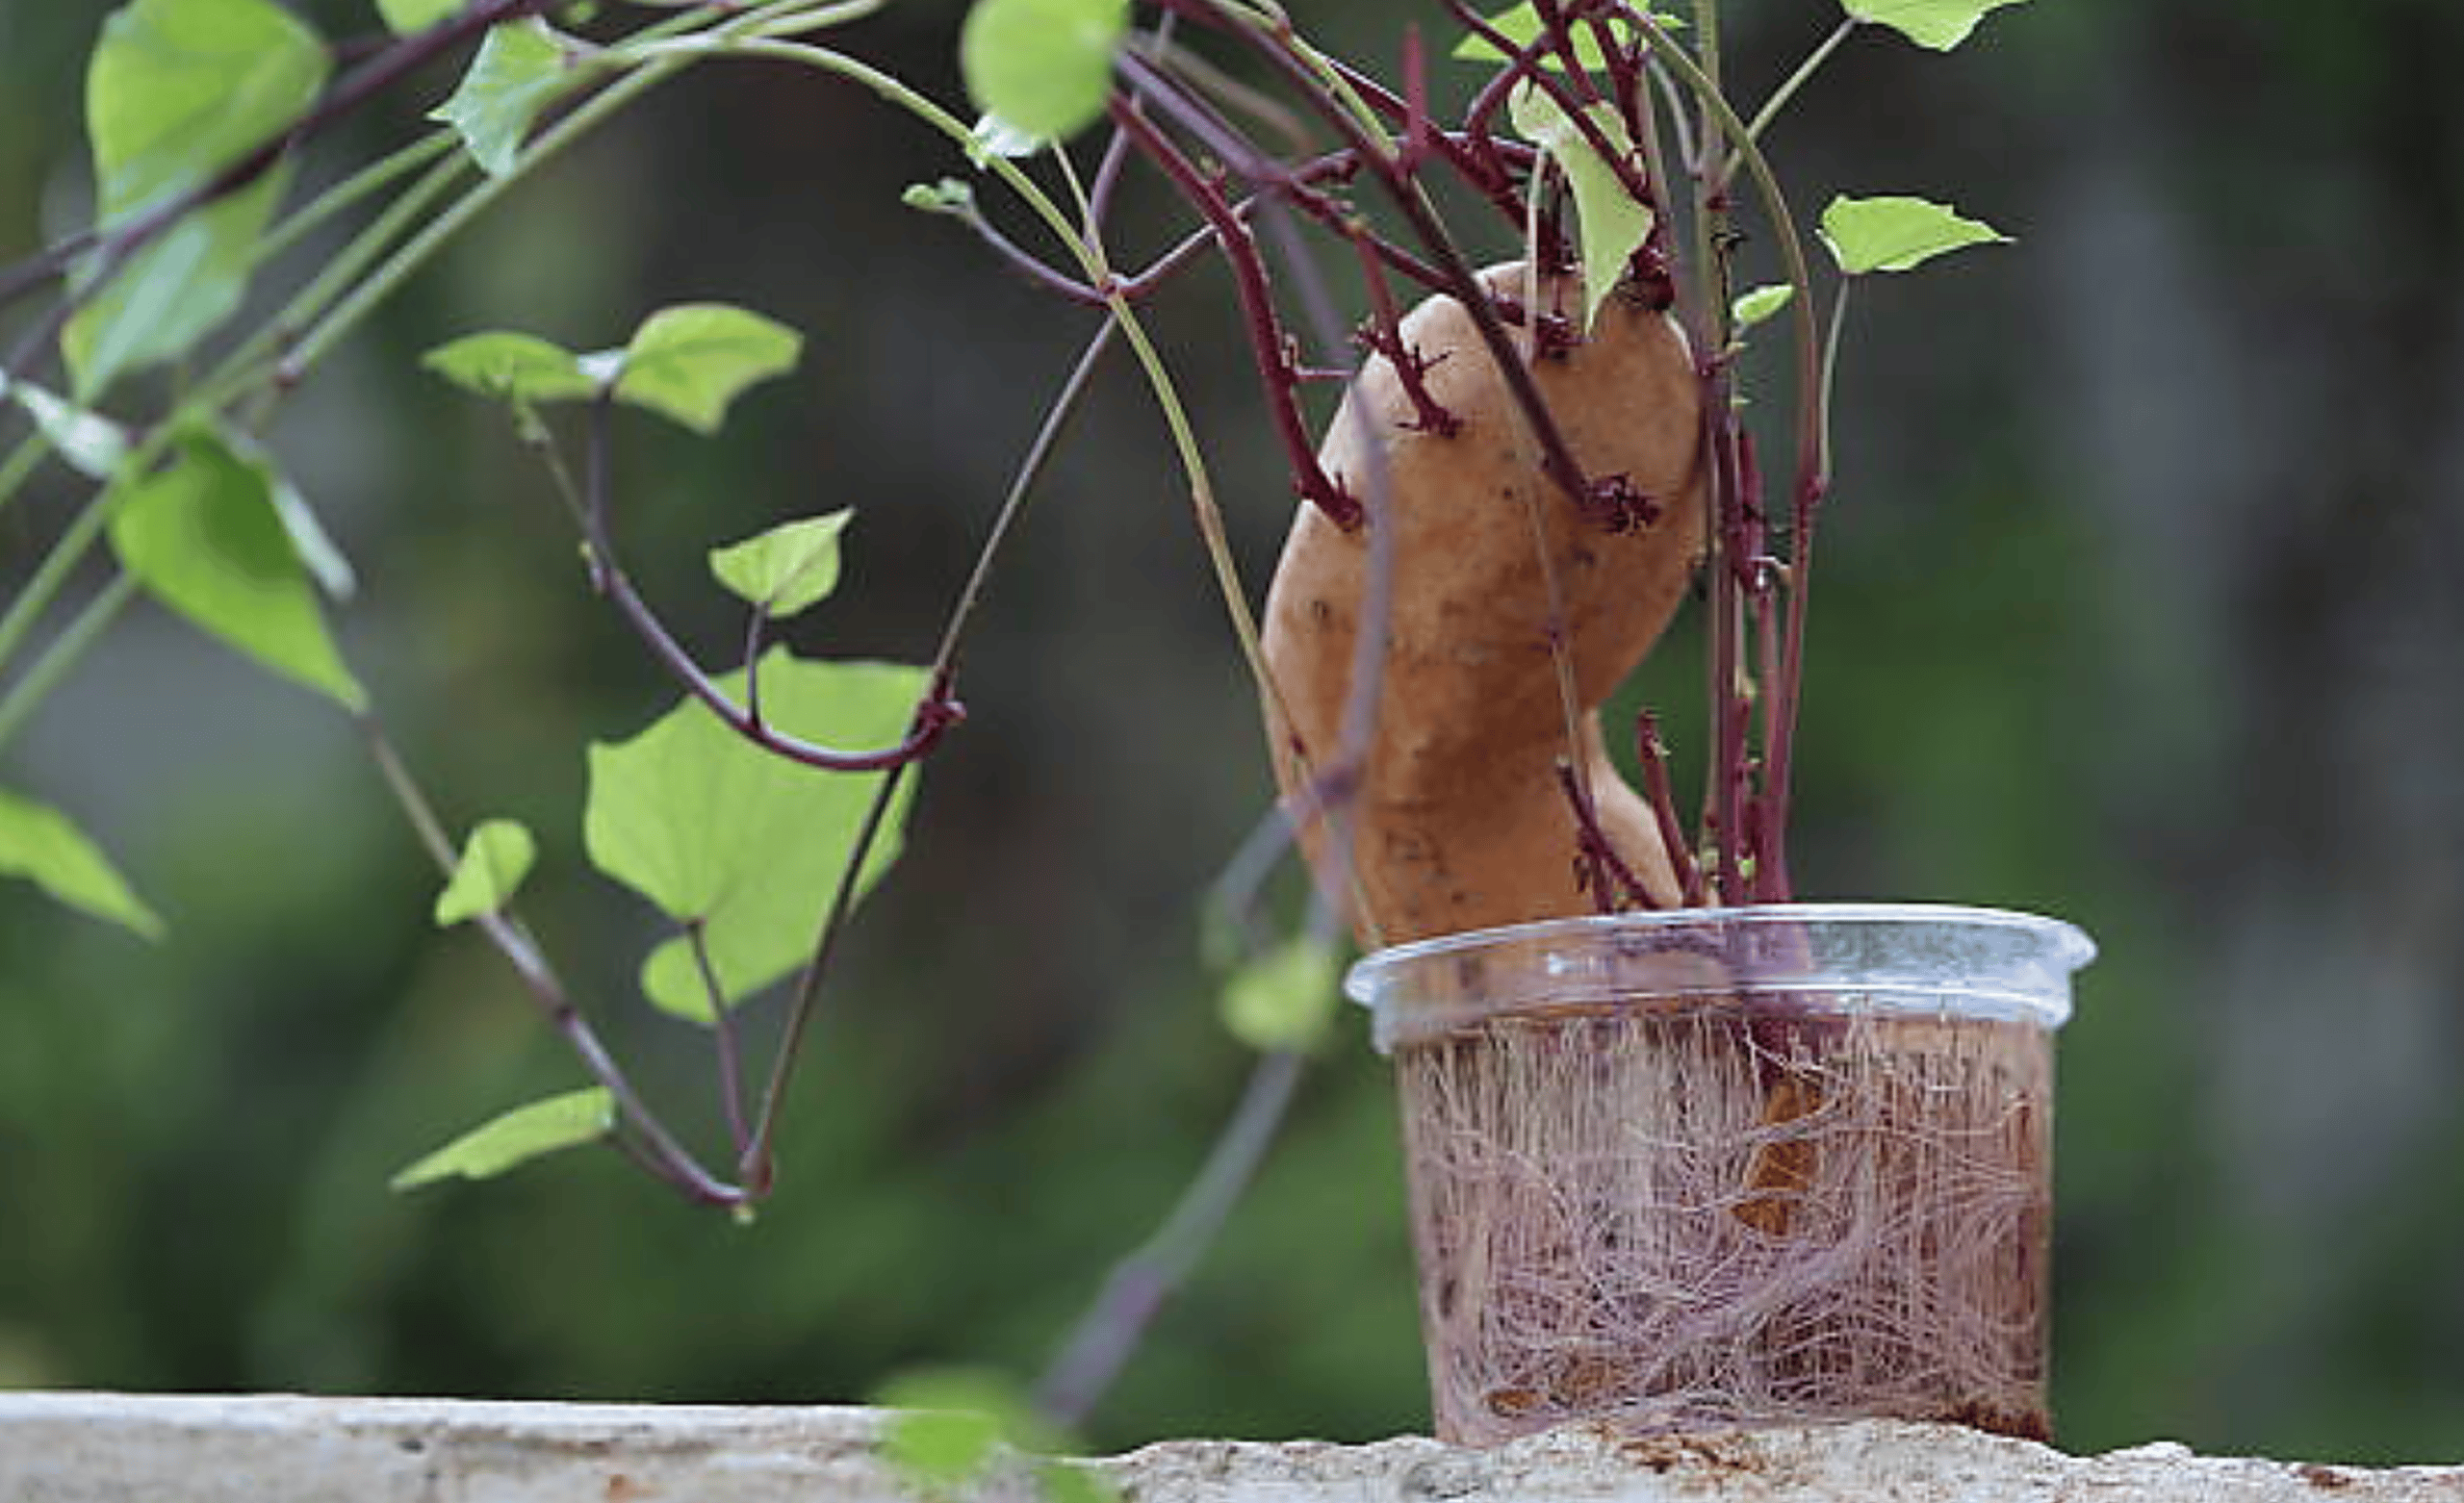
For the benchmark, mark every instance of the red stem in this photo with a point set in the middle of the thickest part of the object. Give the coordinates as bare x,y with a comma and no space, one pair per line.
1599,870
1524,66
1725,815
1478,159
1654,756
1556,458
1384,335
1267,343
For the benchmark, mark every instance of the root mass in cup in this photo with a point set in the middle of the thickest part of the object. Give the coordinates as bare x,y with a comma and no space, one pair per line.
1730,1215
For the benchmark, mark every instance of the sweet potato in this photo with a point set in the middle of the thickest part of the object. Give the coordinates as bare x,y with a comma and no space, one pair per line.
1459,819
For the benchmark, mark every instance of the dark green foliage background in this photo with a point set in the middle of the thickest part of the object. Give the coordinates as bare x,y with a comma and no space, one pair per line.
2138,606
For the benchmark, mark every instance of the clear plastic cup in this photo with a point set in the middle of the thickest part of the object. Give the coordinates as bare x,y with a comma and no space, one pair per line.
1734,1166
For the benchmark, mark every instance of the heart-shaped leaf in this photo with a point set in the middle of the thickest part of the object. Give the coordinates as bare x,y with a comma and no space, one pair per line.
172,293
791,568
1939,25
514,367
720,833
206,538
523,68
516,1138
1894,233
179,90
689,362
43,846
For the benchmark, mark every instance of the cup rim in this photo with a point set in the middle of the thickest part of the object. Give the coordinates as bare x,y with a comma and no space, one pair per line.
2065,947
2074,947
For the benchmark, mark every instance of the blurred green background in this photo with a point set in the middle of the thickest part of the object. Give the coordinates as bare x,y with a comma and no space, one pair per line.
2138,605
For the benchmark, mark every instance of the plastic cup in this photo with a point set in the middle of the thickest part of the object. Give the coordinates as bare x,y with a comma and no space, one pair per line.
1740,1166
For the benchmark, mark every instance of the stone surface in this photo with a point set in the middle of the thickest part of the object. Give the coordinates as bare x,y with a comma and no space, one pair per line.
93,1447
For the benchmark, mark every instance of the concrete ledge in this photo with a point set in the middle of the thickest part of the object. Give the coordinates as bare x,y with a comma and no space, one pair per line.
95,1448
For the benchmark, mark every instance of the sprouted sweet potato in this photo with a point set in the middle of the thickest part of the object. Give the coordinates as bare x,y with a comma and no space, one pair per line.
1460,815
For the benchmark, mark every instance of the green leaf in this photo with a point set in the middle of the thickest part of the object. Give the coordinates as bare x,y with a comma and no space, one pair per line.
42,845
952,1427
1043,68
1284,999
793,566
1520,25
516,1138
689,362
515,367
1613,225
686,362
1939,25
522,68
1753,307
1893,234
93,444
717,831
405,17
206,538
495,861
1065,1482
948,1425
177,90
172,293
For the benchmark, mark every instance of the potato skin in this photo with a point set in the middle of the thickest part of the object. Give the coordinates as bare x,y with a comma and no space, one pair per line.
1460,822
